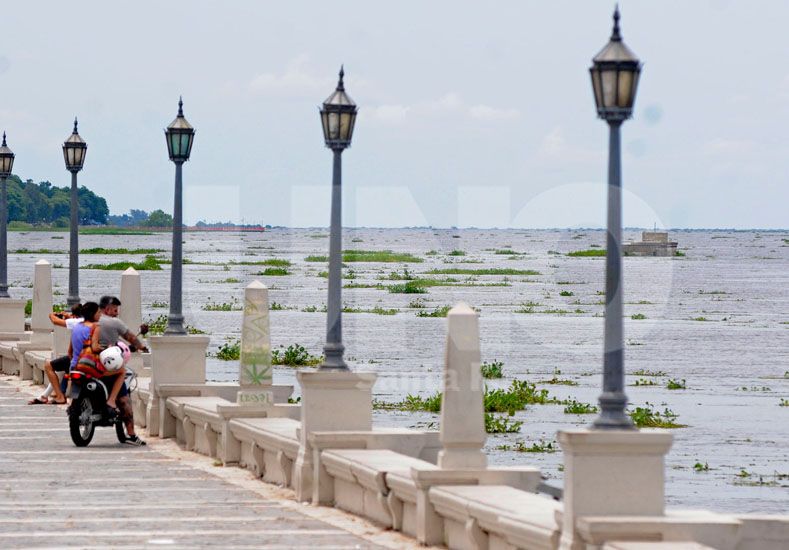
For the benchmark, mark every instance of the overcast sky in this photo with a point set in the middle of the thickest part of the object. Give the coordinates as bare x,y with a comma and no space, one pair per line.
471,113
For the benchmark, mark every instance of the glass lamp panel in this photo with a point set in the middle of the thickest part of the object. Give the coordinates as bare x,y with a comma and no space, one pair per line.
7,164
345,126
353,125
175,145
625,89
325,124
80,156
334,126
185,138
608,84
597,87
69,157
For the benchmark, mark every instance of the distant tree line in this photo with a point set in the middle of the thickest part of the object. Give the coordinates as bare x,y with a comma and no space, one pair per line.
44,203
141,218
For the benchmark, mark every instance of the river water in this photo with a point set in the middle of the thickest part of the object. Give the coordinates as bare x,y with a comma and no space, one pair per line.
717,318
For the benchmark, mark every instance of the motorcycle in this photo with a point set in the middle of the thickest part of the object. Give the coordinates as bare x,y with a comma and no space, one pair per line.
89,409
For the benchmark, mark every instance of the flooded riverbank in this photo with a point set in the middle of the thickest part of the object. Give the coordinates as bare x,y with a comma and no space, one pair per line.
717,318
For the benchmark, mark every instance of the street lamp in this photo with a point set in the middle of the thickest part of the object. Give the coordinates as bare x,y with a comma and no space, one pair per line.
74,150
6,165
615,71
338,116
180,136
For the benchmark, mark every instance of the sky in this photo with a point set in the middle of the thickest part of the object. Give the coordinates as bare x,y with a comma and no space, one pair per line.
470,113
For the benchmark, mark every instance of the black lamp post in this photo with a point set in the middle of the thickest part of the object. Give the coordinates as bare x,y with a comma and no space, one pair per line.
338,116
615,71
6,165
74,150
180,136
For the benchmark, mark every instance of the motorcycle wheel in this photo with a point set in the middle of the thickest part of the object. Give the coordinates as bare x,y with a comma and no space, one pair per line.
120,431
80,422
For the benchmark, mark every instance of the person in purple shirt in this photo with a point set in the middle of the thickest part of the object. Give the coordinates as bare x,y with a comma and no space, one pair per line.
81,333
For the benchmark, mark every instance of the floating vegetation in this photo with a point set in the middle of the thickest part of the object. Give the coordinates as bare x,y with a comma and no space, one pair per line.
676,384
431,253
314,309
276,306
700,319
159,324
555,311
456,253
679,253
294,355
644,372
314,258
397,276
501,424
379,256
274,272
645,382
411,287
540,446
230,350
565,293
378,310
577,407
159,305
783,402
494,369
366,285
224,306
121,251
746,478
488,271
754,388
590,253
438,312
646,417
419,303
559,382
638,316
150,263
38,251
699,467
507,251
712,292
571,282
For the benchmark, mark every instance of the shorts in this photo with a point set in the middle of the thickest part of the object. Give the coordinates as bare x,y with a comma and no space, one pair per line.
61,364
124,391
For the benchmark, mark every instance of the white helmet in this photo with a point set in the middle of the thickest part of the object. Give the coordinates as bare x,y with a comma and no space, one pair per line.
112,358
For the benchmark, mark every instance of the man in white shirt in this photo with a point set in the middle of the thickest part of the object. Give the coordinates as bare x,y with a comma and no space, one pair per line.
59,364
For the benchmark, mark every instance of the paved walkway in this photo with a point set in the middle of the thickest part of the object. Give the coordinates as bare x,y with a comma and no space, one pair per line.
110,495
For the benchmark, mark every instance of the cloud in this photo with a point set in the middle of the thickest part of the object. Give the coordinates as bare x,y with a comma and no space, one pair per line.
295,81
450,103
555,146
728,147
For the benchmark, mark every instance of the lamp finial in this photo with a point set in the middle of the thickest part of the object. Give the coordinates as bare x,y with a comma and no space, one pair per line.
615,34
75,126
4,144
340,83
180,106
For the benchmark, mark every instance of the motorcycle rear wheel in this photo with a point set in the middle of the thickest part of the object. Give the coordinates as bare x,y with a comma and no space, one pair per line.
80,423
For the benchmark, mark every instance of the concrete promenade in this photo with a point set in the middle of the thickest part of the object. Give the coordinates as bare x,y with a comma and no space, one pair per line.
53,494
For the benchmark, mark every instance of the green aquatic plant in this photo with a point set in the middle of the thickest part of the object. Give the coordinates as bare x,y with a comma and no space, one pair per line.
577,407
419,303
150,263
646,417
438,312
121,251
159,305
234,305
484,271
559,382
676,384
501,424
783,402
409,287
638,316
494,369
645,372
274,272
540,446
158,325
566,293
230,350
700,319
386,256
456,253
295,355
699,467
276,306
644,382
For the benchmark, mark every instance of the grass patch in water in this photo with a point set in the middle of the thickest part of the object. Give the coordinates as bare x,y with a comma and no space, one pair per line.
38,251
159,305
590,253
121,250
224,306
438,312
456,253
566,293
385,256
540,446
158,325
501,424
487,271
559,381
230,350
645,372
150,263
638,316
676,384
644,382
274,272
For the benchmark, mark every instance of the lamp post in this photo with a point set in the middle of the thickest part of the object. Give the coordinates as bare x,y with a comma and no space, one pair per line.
6,165
180,136
615,71
74,150
338,116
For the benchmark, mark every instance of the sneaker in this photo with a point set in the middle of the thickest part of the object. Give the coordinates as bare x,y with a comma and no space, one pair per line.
134,440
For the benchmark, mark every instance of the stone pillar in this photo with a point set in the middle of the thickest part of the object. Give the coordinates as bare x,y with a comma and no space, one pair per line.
12,315
254,374
330,401
131,312
462,415
611,473
177,359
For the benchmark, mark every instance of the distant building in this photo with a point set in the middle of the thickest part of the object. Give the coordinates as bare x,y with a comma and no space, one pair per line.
653,243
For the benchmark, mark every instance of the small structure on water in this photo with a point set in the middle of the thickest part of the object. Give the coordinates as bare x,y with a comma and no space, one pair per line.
653,243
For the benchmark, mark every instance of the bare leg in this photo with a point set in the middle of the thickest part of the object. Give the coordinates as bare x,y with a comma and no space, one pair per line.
127,414
53,379
116,388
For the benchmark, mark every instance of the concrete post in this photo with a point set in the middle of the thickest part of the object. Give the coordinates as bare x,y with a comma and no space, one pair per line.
42,304
131,310
254,374
462,415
